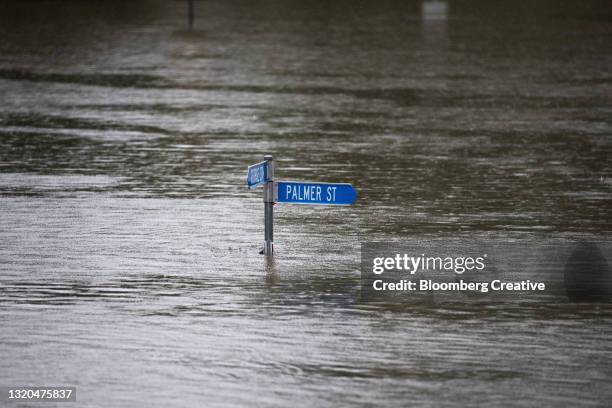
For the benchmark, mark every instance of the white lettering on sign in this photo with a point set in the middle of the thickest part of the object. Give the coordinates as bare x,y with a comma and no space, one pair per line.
314,193
257,174
331,194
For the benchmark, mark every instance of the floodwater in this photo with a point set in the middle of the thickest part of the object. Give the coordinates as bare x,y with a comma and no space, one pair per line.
129,242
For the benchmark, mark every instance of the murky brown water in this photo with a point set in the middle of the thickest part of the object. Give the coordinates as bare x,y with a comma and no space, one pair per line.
129,242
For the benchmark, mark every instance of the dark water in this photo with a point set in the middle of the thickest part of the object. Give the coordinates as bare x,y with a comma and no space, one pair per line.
128,239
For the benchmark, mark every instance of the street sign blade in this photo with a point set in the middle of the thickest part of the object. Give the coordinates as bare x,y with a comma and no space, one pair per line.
257,174
297,192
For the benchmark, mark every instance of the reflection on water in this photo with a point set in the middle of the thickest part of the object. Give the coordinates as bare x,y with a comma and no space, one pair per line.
129,261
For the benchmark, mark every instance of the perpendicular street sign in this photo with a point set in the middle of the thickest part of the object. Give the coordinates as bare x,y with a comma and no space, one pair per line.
297,192
257,174
292,192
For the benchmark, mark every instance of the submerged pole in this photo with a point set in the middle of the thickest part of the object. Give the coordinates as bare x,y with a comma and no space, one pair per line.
268,208
190,13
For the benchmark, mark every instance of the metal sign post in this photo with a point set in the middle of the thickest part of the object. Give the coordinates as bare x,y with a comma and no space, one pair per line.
292,192
269,207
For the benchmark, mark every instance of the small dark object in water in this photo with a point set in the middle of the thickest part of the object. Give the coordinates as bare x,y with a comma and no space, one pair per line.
587,275
190,13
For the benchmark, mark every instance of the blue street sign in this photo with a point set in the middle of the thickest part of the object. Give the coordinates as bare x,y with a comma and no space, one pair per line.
295,192
257,174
